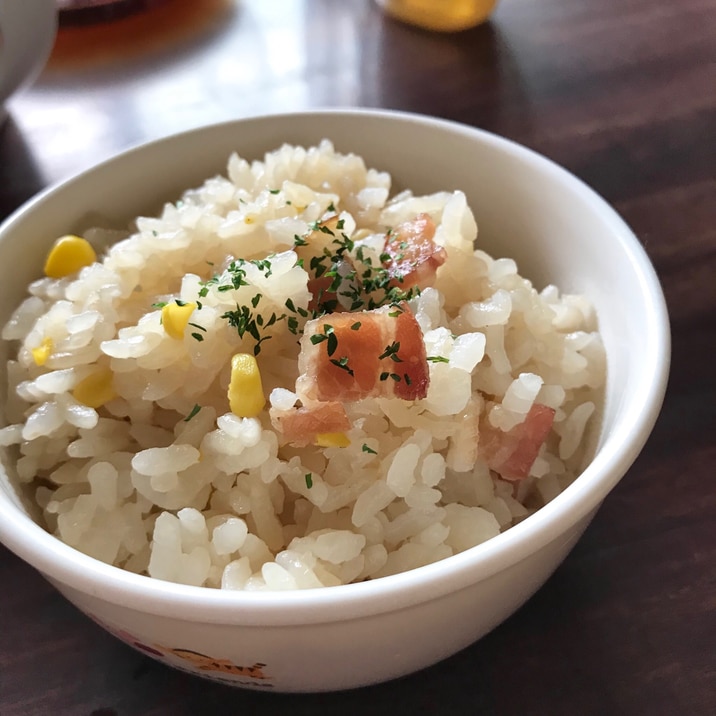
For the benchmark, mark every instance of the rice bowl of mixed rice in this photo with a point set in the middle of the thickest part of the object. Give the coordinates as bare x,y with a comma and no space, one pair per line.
300,373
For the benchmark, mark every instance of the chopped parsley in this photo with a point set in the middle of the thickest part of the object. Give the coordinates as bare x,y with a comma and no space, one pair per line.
193,412
351,280
327,335
387,374
391,352
364,285
292,323
437,359
342,363
245,321
368,449
309,480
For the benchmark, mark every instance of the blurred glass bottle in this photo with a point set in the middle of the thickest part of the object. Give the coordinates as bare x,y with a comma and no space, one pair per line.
441,15
88,11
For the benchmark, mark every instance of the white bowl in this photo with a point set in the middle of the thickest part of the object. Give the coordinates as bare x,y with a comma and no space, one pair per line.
27,34
557,229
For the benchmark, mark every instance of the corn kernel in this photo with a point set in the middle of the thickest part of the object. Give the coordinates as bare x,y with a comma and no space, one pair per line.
68,255
246,394
96,389
332,440
42,352
175,318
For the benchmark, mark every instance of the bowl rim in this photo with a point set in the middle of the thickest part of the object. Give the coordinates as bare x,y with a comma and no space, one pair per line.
68,568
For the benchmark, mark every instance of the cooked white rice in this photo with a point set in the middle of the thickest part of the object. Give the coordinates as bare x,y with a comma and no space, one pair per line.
220,501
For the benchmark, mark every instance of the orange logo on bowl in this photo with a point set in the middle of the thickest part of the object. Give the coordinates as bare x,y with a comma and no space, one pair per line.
214,668
223,666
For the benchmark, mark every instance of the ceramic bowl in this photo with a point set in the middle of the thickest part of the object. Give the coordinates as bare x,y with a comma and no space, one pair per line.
27,34
558,230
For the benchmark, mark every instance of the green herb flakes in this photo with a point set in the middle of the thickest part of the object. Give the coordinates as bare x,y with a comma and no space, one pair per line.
391,352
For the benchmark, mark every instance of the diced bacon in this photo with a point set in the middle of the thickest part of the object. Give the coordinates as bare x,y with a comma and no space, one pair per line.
300,426
316,252
413,365
414,256
324,298
350,356
318,287
512,453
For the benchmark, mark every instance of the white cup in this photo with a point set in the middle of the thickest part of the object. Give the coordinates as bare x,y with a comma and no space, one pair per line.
27,34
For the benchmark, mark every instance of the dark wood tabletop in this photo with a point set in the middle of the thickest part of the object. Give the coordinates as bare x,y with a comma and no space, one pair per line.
620,92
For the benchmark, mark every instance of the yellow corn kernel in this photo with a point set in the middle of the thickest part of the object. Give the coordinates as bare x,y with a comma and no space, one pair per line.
175,318
332,440
42,352
96,389
68,255
246,394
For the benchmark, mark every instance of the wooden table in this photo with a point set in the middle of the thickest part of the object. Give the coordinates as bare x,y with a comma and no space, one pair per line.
623,94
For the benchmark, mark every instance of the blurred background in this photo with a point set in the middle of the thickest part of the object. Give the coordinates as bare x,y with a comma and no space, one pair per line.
130,70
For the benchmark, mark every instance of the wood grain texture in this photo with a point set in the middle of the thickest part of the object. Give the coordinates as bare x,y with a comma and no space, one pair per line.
620,92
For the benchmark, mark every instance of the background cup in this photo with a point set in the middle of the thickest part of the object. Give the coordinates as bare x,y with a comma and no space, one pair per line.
27,34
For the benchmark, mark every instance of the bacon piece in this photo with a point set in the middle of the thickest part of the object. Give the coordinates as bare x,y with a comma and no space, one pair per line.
301,425
414,256
350,356
320,294
512,453
317,252
413,367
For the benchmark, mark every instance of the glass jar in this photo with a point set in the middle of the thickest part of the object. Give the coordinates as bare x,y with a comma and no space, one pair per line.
440,15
